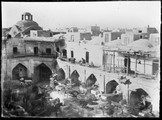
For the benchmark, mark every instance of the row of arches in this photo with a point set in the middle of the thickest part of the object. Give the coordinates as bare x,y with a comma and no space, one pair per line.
41,72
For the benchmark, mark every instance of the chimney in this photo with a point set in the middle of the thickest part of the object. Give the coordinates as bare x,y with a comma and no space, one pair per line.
148,26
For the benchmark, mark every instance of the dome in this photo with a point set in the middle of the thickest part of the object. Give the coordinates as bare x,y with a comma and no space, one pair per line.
26,24
140,45
26,13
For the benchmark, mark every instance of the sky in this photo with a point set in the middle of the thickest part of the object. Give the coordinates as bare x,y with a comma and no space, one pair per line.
116,14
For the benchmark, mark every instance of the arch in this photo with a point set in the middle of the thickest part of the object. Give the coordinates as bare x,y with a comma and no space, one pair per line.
75,77
91,80
19,71
42,73
111,86
75,74
60,74
136,100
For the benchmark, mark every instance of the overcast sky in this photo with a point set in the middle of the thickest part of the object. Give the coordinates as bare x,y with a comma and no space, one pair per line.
115,14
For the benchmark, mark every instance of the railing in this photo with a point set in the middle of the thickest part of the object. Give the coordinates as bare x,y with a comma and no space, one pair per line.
122,70
72,61
32,55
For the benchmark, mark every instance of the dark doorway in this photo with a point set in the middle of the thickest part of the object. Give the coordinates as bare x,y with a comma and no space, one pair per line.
15,51
75,78
57,49
35,50
111,86
64,52
72,54
91,80
138,102
155,67
60,74
19,71
42,73
87,57
127,63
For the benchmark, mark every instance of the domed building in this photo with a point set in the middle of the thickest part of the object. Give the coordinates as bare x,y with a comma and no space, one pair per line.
24,26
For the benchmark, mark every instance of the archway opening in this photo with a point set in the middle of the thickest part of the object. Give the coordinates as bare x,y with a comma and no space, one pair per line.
42,73
19,71
91,80
139,101
75,78
60,75
111,86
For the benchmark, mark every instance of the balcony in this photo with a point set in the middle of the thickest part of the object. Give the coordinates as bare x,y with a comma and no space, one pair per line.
73,61
109,68
21,55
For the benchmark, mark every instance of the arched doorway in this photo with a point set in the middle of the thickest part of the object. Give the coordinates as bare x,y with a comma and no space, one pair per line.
91,80
42,73
75,78
19,71
139,100
60,75
111,86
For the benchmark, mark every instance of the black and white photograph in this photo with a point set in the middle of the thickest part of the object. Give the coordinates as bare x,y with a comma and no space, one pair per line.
80,59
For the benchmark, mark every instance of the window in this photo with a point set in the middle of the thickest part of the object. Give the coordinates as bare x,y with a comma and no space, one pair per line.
57,49
125,40
140,31
26,17
87,57
64,52
72,37
15,50
72,54
48,50
35,50
106,38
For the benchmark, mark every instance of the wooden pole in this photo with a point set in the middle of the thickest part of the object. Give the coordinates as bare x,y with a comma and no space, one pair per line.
136,66
85,75
114,61
104,86
127,63
144,64
128,94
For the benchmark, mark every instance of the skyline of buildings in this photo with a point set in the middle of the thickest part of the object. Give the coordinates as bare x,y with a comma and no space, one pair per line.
83,14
